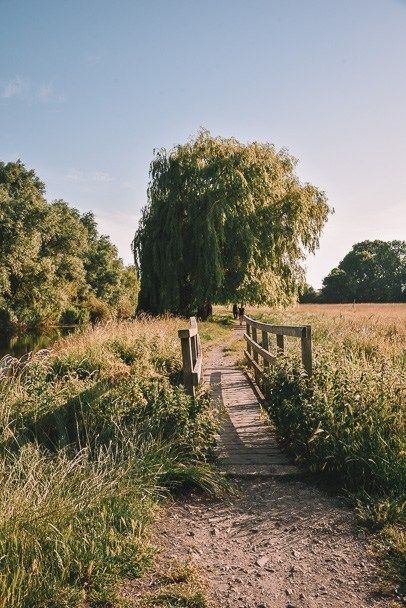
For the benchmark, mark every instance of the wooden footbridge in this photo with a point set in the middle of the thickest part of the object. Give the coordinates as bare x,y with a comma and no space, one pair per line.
247,443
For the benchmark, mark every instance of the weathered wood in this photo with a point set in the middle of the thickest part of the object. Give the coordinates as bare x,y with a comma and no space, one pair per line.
265,346
255,353
187,333
307,358
286,330
259,350
254,349
280,343
191,357
254,364
249,334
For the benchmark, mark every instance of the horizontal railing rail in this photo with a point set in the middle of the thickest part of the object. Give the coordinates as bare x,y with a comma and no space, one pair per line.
191,357
256,349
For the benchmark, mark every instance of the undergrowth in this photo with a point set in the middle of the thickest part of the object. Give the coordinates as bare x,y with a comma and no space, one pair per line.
347,422
92,438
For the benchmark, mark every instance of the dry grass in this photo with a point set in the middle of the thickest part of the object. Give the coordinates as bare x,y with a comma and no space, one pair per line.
394,312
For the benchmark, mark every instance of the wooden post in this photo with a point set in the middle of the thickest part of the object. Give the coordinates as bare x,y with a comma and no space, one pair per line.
265,344
307,349
249,334
193,346
187,359
280,344
255,354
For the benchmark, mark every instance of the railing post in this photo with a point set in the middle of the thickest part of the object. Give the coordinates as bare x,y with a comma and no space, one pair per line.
187,359
280,344
193,346
250,335
307,349
265,344
255,354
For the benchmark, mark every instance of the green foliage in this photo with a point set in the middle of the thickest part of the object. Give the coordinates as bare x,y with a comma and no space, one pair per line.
91,439
225,221
373,271
347,422
54,267
308,295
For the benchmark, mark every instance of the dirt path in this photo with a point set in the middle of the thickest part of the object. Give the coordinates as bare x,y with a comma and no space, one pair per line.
278,543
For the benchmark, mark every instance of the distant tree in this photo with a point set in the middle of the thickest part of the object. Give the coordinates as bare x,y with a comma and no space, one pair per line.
224,222
373,271
309,295
53,263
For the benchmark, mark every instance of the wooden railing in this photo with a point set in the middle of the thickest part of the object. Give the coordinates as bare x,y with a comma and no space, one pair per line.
256,348
191,356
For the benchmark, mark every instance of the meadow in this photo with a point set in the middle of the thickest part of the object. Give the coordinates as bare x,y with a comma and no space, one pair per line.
346,424
93,437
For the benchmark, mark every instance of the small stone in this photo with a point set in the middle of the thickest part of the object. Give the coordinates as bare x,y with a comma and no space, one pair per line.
214,532
289,591
262,561
296,553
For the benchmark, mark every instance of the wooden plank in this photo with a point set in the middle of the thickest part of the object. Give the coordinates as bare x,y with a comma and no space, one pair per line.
307,359
254,364
187,333
285,330
280,343
261,351
187,366
249,334
197,371
265,346
255,355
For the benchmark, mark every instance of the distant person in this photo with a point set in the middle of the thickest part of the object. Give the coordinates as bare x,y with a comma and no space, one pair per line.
235,311
241,313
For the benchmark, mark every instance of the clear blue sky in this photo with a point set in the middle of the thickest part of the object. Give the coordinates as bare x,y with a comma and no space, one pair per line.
88,88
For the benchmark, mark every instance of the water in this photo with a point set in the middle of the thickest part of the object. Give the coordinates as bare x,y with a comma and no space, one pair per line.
19,345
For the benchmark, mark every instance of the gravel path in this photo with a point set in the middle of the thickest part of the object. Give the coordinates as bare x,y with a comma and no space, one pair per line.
278,543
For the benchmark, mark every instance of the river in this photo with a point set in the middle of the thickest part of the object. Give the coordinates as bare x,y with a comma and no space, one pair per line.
19,345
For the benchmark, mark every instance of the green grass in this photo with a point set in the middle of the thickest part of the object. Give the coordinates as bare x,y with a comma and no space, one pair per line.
92,440
346,424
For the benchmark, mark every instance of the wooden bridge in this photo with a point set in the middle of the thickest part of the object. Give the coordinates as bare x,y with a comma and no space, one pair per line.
247,444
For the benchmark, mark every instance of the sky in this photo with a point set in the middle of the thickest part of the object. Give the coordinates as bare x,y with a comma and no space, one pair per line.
89,88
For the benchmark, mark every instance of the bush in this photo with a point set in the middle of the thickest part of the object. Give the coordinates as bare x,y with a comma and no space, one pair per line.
74,316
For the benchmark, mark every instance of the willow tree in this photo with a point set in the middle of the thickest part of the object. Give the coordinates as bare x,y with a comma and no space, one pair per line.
225,221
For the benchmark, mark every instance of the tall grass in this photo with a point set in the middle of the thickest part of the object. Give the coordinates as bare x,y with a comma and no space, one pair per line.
347,422
92,437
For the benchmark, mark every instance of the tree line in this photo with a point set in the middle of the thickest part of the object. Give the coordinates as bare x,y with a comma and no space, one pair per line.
224,222
373,271
55,268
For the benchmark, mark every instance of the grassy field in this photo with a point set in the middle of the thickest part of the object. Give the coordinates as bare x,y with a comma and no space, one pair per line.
347,423
92,437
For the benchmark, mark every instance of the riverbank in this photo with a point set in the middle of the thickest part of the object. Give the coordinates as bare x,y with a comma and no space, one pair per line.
93,436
